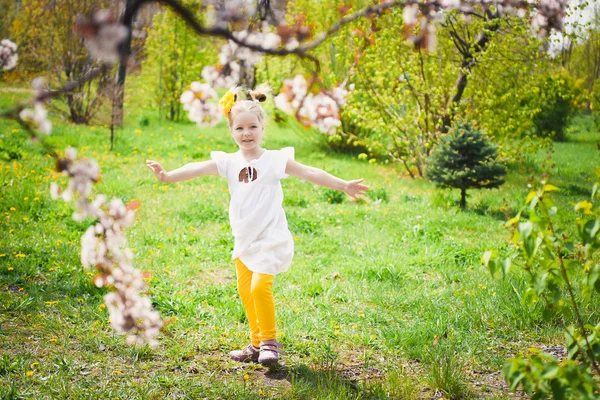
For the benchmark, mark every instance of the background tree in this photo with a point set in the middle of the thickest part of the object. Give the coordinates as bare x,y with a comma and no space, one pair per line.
175,56
464,159
484,68
44,33
9,10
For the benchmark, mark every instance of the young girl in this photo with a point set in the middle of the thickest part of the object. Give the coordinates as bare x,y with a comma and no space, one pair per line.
263,244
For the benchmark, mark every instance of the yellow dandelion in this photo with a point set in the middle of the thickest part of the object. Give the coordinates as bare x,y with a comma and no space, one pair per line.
13,209
29,373
11,269
246,377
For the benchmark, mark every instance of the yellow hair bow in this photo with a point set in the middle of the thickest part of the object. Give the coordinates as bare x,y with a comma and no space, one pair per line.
227,102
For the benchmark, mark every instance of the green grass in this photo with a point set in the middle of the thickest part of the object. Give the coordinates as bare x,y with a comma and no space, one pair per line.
385,298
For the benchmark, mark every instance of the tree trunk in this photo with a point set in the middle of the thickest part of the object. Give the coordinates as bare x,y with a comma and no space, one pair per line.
463,198
119,93
468,63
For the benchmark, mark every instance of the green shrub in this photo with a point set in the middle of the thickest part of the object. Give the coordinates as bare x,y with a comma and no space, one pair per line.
332,196
378,194
556,100
465,159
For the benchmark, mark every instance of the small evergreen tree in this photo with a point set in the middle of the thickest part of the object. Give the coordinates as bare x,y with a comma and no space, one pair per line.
464,159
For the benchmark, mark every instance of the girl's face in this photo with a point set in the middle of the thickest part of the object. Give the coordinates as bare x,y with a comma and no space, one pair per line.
247,130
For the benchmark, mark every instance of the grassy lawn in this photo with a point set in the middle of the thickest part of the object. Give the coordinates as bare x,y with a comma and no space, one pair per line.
384,298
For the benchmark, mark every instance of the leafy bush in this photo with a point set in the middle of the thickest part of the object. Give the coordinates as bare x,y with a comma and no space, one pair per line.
332,196
557,264
9,153
555,100
378,194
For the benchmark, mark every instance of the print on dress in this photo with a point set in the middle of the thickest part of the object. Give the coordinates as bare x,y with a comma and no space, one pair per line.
248,174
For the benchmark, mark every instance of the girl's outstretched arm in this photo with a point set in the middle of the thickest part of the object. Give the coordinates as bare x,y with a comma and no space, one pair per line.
315,175
188,171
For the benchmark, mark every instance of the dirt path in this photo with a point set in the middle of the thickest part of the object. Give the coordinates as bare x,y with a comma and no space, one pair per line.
16,90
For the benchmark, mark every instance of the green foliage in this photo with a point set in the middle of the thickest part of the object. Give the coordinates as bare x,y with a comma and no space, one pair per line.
6,18
52,48
582,57
332,196
378,194
554,99
544,376
175,56
464,159
9,152
595,104
556,263
401,96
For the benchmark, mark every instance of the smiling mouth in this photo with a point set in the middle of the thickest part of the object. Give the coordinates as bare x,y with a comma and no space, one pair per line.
248,141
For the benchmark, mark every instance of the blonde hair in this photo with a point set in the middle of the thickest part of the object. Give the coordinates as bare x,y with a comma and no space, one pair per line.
251,104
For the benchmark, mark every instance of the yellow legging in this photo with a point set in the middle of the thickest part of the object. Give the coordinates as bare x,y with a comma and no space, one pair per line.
257,295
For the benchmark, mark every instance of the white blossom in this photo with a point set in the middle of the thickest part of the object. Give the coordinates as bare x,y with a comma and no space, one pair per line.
8,54
104,246
321,111
223,13
410,14
38,116
103,35
195,100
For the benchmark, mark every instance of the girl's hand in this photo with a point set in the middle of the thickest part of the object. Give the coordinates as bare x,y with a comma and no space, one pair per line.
158,170
355,188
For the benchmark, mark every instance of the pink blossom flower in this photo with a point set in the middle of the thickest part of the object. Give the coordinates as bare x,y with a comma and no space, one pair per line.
8,54
103,35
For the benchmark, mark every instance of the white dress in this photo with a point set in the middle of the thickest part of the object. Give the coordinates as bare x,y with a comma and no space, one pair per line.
263,241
